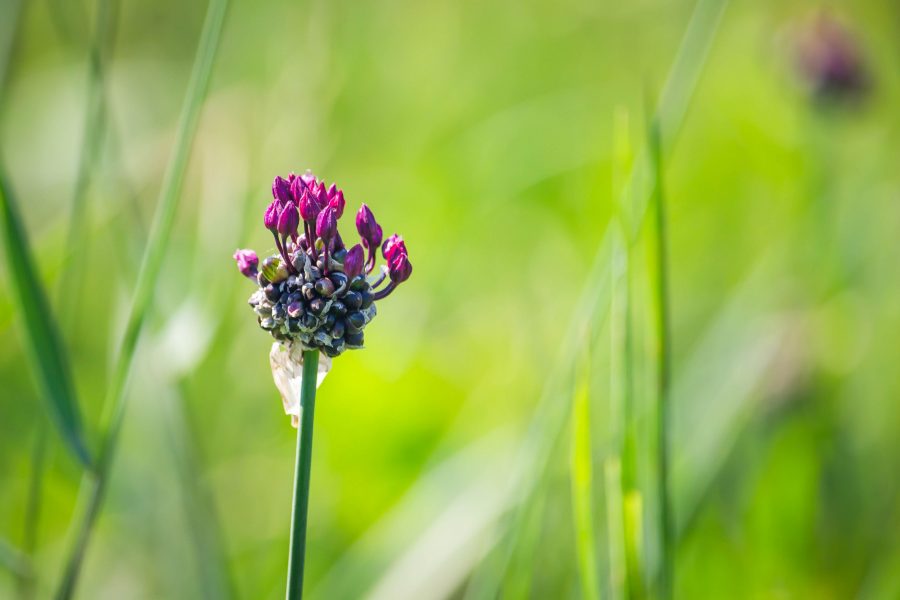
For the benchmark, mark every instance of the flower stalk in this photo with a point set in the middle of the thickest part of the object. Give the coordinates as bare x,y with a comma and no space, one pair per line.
302,476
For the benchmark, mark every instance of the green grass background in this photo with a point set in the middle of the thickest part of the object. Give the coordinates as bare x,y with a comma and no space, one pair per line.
485,133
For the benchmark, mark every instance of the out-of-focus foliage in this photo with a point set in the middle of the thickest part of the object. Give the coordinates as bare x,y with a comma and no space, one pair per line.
483,132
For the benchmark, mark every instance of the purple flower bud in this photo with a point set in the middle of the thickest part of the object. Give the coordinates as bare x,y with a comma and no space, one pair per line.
322,194
332,190
338,203
247,262
270,219
399,268
309,206
281,190
353,262
326,224
392,247
288,220
368,229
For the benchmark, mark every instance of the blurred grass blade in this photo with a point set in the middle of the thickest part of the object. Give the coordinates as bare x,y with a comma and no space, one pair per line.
43,341
663,344
548,420
95,128
582,479
114,407
16,561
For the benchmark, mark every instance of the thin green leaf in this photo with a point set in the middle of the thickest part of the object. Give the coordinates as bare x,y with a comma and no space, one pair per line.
43,341
660,299
114,407
549,417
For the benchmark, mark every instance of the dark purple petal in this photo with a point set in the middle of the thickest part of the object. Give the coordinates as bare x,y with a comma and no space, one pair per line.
338,203
393,246
270,218
309,206
281,190
399,268
326,224
368,228
288,220
353,262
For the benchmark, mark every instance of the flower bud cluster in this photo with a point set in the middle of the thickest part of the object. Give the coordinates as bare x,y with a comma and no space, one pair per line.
315,291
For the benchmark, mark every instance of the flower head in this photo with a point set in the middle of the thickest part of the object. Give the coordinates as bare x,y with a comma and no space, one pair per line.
313,293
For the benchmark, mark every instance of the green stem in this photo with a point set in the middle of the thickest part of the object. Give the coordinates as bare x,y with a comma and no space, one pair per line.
301,475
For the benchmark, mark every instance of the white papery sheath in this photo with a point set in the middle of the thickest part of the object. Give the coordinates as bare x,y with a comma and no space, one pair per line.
287,371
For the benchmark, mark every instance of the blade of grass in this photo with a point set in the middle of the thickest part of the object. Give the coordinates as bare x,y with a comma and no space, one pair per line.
593,306
94,485
16,561
93,134
43,341
582,479
632,504
660,296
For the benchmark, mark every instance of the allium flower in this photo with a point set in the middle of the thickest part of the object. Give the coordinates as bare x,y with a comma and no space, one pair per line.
313,296
313,292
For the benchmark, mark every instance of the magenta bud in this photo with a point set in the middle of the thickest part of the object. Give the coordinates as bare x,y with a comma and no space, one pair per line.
288,220
332,190
326,224
270,219
393,246
338,203
368,229
354,261
309,206
247,262
399,268
281,190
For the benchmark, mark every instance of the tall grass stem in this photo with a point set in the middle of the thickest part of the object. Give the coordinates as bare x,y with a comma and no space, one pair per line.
95,484
663,362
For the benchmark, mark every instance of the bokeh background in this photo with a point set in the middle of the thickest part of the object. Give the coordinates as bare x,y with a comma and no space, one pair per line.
494,136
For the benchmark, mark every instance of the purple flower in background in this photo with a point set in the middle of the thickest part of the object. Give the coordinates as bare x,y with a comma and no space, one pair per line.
828,57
